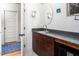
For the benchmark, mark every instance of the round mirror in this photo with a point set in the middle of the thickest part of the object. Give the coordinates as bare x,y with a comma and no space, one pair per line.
48,14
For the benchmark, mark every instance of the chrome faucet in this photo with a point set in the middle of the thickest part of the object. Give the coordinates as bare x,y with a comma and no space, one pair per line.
45,28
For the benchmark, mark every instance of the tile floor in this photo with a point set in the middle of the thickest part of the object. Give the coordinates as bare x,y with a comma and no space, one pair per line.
30,53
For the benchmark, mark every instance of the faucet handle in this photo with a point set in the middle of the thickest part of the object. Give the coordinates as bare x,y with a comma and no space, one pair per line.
44,26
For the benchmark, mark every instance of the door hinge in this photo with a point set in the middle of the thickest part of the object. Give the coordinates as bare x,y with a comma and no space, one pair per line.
24,28
4,28
24,45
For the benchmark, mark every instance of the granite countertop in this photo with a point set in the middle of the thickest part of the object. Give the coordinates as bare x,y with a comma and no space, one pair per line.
63,36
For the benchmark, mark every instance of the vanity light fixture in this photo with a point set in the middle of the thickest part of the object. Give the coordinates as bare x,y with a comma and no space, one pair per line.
49,15
33,14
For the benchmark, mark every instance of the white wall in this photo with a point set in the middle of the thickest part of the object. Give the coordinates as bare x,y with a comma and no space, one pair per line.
7,6
60,20
0,32
36,22
10,6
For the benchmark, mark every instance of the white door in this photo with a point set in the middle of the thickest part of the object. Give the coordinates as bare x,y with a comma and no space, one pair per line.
11,26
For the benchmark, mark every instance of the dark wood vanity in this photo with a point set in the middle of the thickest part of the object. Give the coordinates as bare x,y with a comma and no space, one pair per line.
44,45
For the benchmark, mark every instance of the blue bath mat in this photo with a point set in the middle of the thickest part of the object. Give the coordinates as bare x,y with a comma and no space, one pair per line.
11,47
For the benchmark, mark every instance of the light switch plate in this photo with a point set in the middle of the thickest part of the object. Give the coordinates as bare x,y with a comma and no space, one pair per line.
58,10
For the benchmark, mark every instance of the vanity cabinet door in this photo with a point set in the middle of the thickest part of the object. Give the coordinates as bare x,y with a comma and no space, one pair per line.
35,43
43,45
47,45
